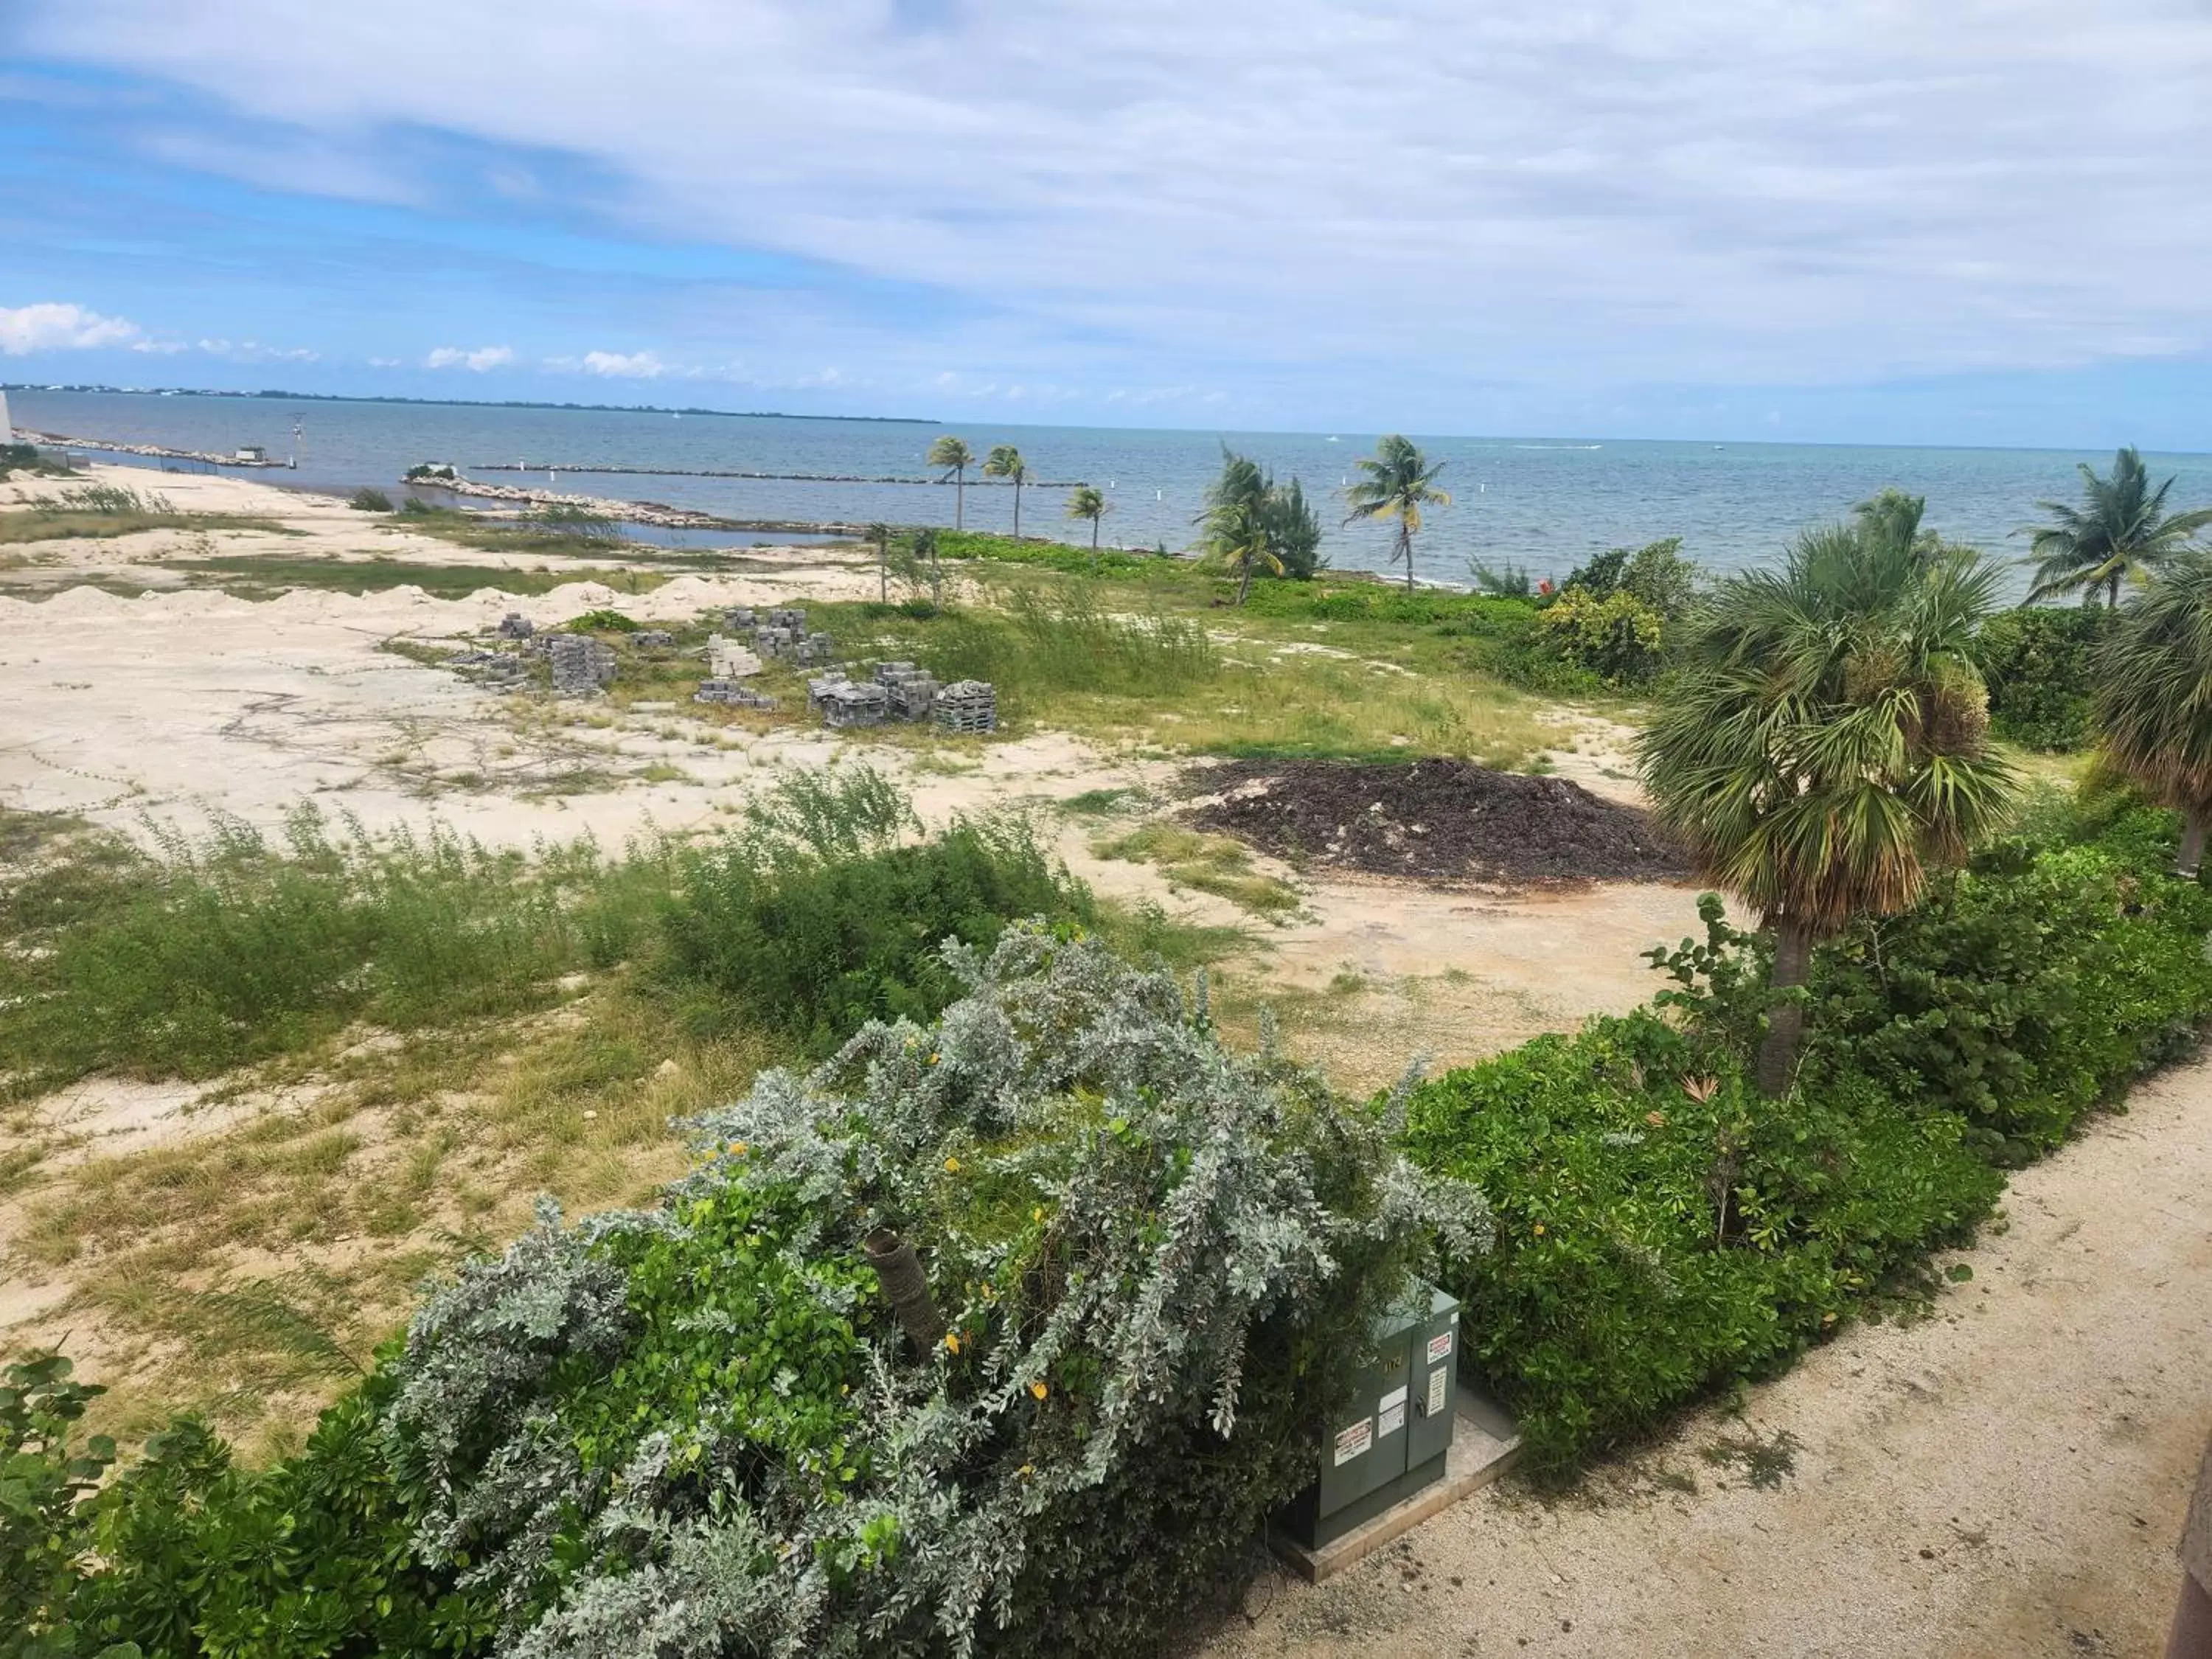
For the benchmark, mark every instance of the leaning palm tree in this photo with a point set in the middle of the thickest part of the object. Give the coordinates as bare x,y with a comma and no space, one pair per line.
2153,699
1238,526
953,457
1086,501
2121,529
1005,462
1398,485
1827,741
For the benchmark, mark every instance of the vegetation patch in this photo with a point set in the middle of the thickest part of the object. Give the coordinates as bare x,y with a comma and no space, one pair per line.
1206,864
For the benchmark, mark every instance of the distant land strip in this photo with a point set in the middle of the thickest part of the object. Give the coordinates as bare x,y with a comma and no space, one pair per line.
460,402
786,477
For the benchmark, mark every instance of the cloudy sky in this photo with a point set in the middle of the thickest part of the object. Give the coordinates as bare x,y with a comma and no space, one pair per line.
1976,221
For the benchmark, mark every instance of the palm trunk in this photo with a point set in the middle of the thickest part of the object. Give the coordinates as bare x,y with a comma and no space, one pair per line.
1094,534
1406,552
1018,509
1785,1023
1244,586
898,1270
960,499
884,572
2192,845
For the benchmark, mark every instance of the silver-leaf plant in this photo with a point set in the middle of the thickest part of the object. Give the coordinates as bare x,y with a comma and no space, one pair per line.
1156,1259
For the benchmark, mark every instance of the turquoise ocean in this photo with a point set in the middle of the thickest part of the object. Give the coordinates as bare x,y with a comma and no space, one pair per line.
1543,503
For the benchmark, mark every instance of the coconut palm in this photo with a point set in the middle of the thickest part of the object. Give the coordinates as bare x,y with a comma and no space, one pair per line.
2121,529
1827,741
952,457
1238,526
1398,485
1085,501
2154,698
1005,462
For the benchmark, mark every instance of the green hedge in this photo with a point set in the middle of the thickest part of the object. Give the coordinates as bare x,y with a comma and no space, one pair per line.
1664,1231
2038,663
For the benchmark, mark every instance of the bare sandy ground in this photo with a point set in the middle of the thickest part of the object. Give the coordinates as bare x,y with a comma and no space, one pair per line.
2005,1480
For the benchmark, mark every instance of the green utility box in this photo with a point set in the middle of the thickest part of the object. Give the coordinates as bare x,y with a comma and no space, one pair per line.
1392,1439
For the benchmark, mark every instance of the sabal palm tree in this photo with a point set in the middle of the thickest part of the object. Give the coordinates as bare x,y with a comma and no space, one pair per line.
1827,741
1005,462
952,457
1239,525
2121,529
1400,482
1086,501
2154,698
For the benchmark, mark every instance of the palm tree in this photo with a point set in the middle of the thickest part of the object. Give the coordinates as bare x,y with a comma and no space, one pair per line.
922,548
953,457
880,534
2121,529
2154,698
1397,486
1085,501
1005,462
1238,524
1827,741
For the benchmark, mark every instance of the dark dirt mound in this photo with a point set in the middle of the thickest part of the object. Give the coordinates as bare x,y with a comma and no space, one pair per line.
1434,820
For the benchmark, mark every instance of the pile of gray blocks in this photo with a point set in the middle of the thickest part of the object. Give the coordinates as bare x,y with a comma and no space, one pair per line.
582,666
653,639
494,671
515,626
779,633
968,706
912,691
730,692
854,702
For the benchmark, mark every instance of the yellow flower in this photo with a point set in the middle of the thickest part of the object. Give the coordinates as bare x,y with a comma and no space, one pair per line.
933,1059
1540,1229
1037,1214
952,1340
953,1164
737,1148
1026,1470
1039,1390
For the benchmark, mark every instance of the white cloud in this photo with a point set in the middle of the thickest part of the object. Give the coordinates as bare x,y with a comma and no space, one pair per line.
53,326
477,361
252,351
1414,190
632,366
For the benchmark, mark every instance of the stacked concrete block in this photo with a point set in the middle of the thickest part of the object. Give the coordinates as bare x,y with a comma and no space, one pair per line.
811,648
820,686
729,691
967,706
740,619
912,691
851,703
582,666
515,626
791,618
728,661
653,639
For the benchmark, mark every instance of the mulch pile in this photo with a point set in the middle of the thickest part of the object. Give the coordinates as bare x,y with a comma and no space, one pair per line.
1434,820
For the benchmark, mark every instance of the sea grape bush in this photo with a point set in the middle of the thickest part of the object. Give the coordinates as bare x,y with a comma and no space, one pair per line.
1663,1230
695,1429
2038,663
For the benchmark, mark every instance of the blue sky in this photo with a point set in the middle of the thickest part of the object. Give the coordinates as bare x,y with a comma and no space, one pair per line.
1865,221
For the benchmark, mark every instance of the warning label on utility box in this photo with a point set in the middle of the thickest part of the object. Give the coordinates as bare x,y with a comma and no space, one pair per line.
1440,1346
1436,1380
1354,1441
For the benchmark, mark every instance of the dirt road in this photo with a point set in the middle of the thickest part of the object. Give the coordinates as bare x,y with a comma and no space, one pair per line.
2005,1480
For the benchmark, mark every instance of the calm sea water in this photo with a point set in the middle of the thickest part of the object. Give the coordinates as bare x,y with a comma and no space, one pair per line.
1544,503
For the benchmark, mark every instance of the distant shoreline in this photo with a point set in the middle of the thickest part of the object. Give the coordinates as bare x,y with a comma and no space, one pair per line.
274,395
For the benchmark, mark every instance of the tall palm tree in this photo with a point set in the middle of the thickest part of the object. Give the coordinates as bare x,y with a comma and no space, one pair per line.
1398,485
1827,741
953,457
1086,501
2154,698
1005,462
2121,529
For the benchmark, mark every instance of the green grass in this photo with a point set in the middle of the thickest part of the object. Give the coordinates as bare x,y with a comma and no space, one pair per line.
42,524
1208,864
250,576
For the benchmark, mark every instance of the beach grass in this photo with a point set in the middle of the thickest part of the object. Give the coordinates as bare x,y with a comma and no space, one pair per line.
255,577
23,525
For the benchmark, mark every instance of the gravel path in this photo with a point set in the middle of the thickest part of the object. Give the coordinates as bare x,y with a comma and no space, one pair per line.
2005,1480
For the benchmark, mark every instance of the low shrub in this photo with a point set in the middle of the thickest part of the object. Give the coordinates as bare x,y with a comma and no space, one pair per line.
369,501
1663,1230
816,940
1064,557
697,1430
1617,638
1041,644
2038,663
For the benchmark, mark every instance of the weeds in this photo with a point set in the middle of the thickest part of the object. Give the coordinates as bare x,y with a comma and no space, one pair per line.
1208,864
